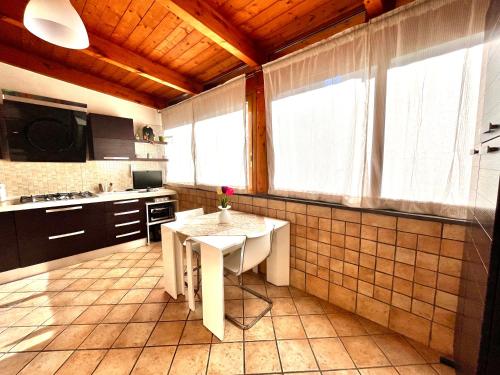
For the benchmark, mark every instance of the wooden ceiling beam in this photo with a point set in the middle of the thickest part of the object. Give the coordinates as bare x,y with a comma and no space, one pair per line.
21,59
204,18
375,8
123,58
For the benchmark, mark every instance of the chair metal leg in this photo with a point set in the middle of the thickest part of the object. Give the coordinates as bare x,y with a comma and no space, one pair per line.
262,314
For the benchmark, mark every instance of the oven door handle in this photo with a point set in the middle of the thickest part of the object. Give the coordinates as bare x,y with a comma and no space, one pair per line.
155,210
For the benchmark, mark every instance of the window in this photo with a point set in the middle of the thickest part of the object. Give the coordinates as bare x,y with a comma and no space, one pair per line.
429,128
208,144
180,168
382,116
221,150
318,139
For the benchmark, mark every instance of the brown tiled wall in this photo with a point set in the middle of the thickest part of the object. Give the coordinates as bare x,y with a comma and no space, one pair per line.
401,273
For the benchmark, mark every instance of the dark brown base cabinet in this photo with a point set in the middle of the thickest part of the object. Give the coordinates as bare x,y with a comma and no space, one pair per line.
56,232
9,255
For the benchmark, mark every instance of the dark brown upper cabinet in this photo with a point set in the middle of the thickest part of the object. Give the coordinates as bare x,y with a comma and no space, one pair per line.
111,138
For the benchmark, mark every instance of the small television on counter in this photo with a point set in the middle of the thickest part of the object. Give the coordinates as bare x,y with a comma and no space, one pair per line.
147,179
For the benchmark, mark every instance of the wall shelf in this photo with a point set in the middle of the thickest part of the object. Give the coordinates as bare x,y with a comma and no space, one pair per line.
151,143
150,159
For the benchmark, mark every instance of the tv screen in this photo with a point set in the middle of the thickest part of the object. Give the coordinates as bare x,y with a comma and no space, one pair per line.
44,133
147,179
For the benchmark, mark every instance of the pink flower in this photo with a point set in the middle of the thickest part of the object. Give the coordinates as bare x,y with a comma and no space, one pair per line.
229,191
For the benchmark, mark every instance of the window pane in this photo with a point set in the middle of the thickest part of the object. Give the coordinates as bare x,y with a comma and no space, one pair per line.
430,120
318,139
220,150
180,167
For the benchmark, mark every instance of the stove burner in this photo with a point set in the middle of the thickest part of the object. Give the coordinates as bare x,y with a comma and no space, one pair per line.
56,197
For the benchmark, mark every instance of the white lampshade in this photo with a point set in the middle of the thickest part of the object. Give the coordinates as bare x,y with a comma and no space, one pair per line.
57,22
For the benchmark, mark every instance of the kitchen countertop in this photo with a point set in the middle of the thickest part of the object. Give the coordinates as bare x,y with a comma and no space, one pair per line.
14,205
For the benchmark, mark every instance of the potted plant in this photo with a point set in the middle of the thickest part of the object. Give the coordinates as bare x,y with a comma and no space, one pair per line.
224,193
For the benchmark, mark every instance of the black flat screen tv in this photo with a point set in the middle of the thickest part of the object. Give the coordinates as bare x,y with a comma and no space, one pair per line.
147,179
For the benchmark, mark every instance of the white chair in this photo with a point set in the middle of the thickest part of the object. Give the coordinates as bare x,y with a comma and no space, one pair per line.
181,216
253,252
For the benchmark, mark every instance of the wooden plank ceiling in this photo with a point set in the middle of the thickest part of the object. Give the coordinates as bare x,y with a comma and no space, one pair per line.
153,51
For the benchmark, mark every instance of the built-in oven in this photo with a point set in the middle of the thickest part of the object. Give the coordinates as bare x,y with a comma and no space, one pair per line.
158,211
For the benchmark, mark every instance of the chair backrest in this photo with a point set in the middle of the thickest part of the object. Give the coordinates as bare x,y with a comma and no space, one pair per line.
183,215
255,250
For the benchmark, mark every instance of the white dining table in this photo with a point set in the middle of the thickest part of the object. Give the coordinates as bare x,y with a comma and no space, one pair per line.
217,240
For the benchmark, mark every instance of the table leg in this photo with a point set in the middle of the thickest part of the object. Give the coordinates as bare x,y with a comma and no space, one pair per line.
212,281
189,267
278,263
173,271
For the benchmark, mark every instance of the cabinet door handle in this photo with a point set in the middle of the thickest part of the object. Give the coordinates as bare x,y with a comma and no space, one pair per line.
66,235
492,127
490,149
474,151
126,213
125,202
63,209
116,158
128,234
128,223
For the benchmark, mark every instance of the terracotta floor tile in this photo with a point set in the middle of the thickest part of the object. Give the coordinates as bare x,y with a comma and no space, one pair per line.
277,291
288,327
308,305
82,362
103,336
147,282
12,336
102,284
134,335
154,361
261,357
190,359
226,358
231,333
317,326
254,307
37,316
431,356
416,370
157,295
234,307
110,297
364,352
346,324
166,333
283,306
65,315
196,333
63,298
135,296
121,313
232,292
86,297
443,369
175,311
11,316
149,312
296,355
261,289
12,363
46,363
197,314
379,371
262,330
125,283
80,285
398,350
341,372
118,362
38,339
93,314
331,354
373,328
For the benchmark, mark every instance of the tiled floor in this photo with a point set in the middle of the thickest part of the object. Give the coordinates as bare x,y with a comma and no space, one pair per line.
111,316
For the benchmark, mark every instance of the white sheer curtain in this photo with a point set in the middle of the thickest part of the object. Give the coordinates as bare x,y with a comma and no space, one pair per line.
207,147
220,136
382,115
178,125
317,117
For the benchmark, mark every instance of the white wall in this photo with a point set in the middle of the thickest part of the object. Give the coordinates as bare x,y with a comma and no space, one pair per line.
17,79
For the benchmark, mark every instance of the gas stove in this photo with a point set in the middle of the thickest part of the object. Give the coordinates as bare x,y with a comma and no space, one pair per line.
56,197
